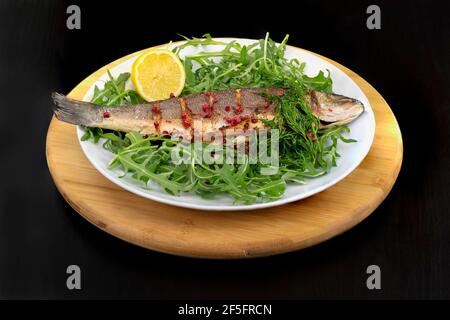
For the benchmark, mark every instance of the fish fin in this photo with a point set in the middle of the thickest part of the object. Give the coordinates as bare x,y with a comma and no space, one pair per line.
73,111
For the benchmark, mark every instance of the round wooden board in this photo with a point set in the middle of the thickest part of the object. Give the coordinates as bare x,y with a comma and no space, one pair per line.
226,235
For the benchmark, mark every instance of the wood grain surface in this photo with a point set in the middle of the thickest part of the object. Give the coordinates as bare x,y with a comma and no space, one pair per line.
225,235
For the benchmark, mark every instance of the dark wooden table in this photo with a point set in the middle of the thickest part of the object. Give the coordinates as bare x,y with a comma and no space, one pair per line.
408,236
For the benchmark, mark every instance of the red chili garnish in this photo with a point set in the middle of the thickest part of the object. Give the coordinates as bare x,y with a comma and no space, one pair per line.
106,114
329,109
243,118
311,136
183,115
227,108
186,124
156,124
206,107
155,108
213,95
280,93
172,95
238,109
254,120
233,121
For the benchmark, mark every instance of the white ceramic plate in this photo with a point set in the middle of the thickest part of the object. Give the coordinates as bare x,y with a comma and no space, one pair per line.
362,129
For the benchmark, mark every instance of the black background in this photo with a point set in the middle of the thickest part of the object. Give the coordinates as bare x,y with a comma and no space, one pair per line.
408,236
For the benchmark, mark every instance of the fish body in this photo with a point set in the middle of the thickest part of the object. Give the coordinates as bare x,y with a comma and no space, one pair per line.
208,113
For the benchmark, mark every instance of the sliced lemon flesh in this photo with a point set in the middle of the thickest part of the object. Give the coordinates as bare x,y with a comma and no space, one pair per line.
157,74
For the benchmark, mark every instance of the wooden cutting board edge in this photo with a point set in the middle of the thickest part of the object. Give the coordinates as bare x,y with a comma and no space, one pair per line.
257,248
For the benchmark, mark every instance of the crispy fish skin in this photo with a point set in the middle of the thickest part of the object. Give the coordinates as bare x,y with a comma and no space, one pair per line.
207,113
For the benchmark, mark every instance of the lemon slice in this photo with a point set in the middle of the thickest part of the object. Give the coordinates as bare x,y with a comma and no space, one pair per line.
158,73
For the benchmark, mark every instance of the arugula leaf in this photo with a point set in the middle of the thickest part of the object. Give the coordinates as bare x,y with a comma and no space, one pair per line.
115,93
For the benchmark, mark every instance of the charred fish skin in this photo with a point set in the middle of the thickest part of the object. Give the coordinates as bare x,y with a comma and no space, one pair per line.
207,113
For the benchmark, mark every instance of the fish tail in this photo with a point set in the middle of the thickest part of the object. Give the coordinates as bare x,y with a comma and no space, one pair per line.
73,111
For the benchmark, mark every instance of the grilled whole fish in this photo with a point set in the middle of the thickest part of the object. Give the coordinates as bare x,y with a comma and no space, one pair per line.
240,109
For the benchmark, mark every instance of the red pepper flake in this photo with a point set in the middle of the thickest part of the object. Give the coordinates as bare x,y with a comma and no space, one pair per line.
238,109
280,93
227,108
329,109
172,95
311,136
243,118
156,124
186,124
232,120
207,108
254,120
106,114
155,108
183,115
213,95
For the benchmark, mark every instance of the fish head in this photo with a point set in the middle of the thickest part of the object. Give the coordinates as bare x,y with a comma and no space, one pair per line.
334,109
